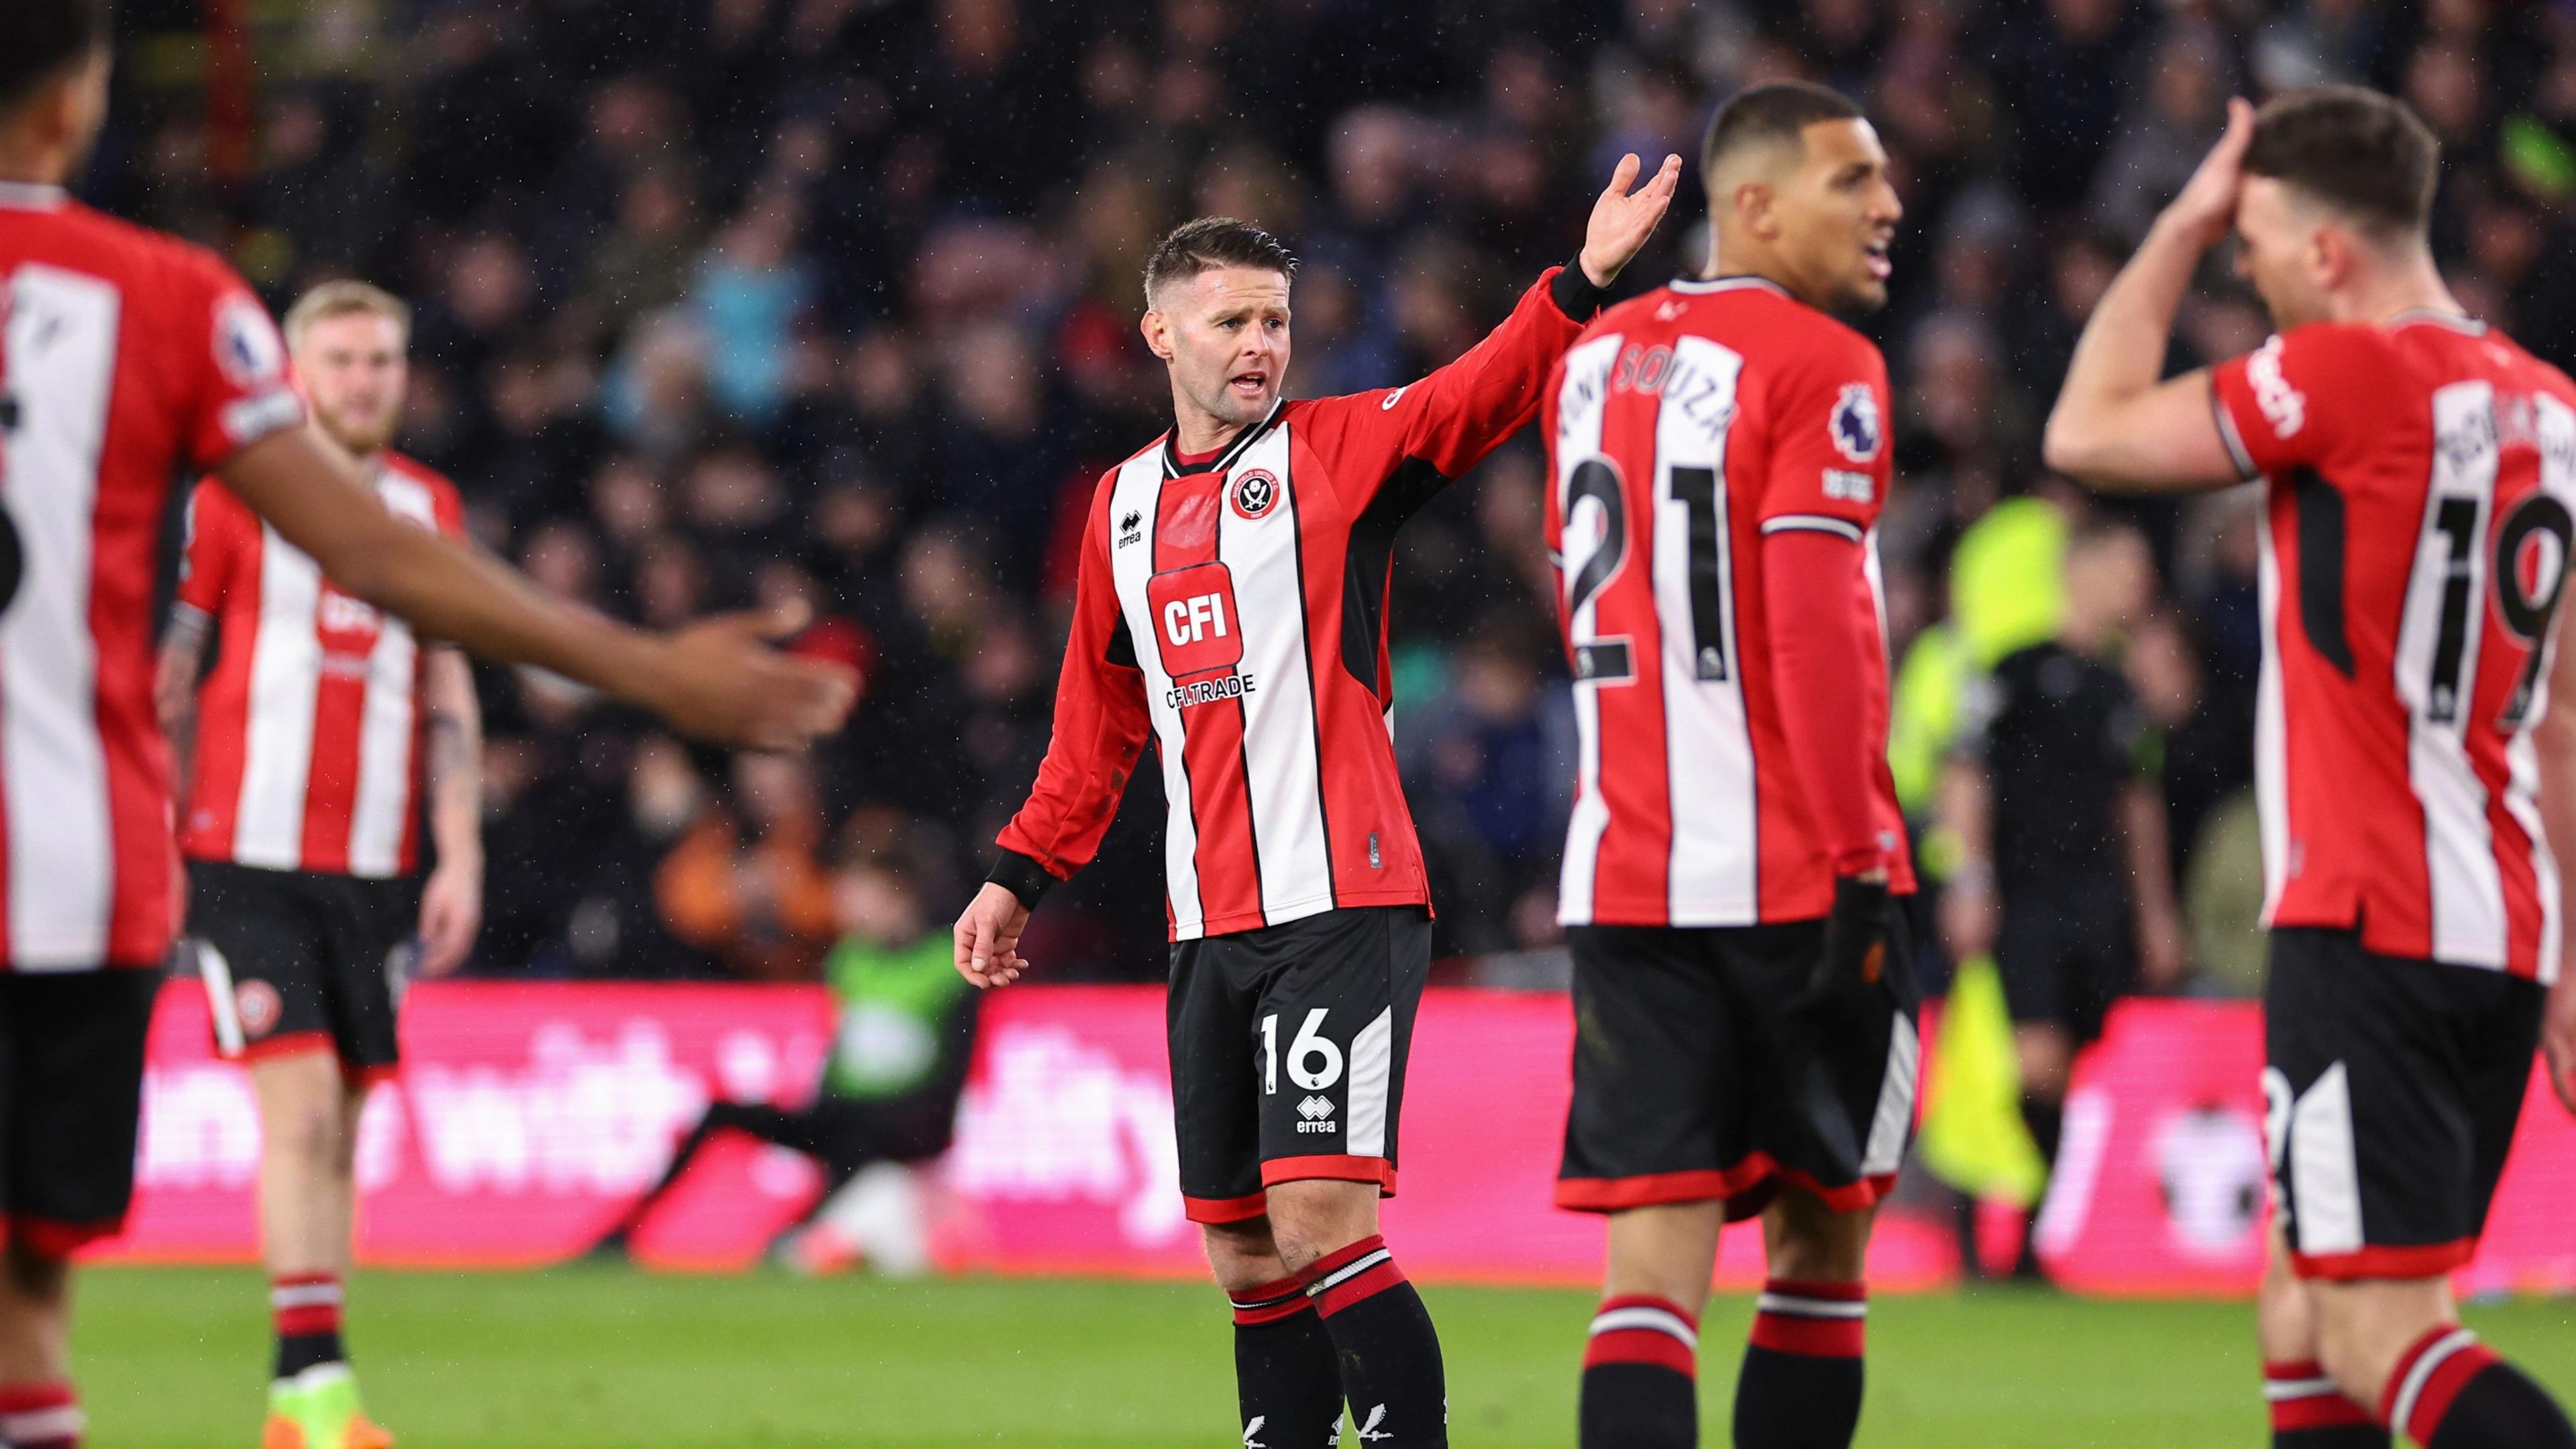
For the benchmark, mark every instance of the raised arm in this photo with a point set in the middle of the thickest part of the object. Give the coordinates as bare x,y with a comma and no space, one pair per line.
716,679
2118,425
1420,436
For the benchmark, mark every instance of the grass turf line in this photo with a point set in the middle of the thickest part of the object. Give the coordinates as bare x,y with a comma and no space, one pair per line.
588,1358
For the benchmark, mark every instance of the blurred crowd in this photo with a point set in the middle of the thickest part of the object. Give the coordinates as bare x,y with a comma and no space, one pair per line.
725,302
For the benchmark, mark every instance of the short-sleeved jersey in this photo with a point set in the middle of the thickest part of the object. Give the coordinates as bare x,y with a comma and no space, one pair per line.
309,727
1233,612
2420,476
1688,425
126,359
2060,737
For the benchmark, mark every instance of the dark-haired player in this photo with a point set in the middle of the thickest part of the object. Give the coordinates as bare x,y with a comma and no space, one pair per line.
1744,1038
1231,609
125,357
2410,766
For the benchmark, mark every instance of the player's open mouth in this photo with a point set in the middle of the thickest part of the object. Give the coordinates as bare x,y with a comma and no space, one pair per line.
1874,256
1250,384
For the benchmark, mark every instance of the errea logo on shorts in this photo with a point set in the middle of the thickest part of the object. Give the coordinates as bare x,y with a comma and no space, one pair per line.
2284,406
1318,1114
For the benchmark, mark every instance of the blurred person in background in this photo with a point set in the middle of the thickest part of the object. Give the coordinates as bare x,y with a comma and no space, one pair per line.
324,734
887,1101
746,882
1230,605
2054,800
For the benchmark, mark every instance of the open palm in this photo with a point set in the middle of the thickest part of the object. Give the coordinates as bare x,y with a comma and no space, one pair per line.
1622,220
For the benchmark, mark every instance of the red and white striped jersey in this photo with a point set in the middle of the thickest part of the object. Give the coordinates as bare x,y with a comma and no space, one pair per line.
1234,613
2420,478
309,727
1686,427
125,358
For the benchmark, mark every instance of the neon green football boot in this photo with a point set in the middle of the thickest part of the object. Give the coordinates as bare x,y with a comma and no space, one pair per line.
318,1409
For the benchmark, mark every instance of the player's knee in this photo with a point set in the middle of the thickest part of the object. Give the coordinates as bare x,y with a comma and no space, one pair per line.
308,1133
1242,1255
1310,1219
1806,1240
34,1277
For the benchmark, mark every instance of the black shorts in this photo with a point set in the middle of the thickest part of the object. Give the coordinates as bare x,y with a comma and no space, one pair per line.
2065,951
2391,1088
299,961
1288,1047
71,1099
1693,1080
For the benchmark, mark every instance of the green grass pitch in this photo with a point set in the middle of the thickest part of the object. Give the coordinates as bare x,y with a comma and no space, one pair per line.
602,1357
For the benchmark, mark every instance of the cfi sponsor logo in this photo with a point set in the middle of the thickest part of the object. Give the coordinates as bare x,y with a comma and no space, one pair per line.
1855,422
1255,493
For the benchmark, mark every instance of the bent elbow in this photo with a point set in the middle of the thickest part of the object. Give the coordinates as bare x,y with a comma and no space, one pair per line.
2064,445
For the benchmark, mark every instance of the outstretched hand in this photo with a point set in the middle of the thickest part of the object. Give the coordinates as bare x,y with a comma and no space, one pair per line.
2205,208
721,681
1621,220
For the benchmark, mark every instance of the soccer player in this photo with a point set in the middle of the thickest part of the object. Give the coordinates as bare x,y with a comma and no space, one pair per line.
2053,794
125,357
2411,764
1231,608
325,727
1744,1039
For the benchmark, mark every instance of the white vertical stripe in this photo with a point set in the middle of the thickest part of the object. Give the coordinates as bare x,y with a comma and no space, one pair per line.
216,971
2271,728
1580,399
285,675
1708,746
1372,1080
1260,554
1885,1151
62,342
1138,491
2467,888
381,814
2325,1177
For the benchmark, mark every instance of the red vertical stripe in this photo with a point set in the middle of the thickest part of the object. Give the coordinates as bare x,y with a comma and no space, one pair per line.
331,789
1633,870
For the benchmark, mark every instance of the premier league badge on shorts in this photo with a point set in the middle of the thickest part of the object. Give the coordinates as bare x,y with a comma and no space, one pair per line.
1855,422
1255,494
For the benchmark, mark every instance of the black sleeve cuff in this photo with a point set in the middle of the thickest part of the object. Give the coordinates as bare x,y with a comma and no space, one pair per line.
1575,295
1022,877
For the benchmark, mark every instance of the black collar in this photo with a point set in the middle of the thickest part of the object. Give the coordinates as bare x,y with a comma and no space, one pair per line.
1225,459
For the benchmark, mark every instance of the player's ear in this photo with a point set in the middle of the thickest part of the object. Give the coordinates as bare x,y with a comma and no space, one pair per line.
1157,329
1752,203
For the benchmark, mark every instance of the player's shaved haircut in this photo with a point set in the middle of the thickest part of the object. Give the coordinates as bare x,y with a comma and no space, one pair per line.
1209,243
1772,115
46,38
2359,153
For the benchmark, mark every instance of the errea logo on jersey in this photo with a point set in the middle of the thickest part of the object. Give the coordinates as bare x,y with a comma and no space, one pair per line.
1855,423
2284,406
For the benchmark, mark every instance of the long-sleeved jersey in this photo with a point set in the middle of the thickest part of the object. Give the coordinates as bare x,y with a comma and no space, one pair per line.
1233,611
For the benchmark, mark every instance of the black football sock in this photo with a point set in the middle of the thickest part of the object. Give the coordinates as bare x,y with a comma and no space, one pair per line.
2309,1412
307,1309
1286,1376
1390,1354
1801,1383
1640,1376
2450,1391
